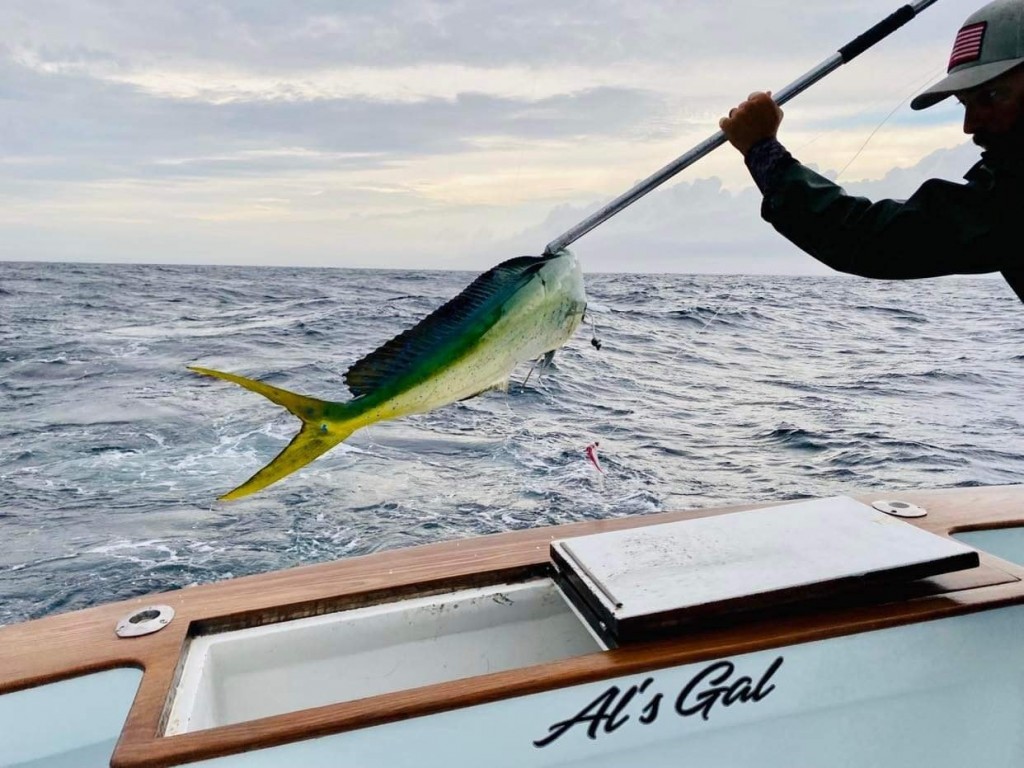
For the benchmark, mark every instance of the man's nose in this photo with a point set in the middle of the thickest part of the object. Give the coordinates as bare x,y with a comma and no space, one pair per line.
976,117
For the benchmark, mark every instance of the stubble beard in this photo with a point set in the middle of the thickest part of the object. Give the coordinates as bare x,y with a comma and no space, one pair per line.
1009,143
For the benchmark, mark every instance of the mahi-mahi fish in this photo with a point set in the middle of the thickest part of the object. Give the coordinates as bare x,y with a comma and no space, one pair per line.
521,310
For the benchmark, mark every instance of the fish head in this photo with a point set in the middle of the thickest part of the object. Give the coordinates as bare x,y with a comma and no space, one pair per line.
563,278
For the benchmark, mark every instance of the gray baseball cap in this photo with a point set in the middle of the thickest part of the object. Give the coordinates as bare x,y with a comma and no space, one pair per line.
989,43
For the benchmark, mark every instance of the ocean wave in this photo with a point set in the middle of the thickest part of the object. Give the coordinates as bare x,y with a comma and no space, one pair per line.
794,437
901,313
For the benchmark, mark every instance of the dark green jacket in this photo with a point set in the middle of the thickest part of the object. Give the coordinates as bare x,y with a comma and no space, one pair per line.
943,229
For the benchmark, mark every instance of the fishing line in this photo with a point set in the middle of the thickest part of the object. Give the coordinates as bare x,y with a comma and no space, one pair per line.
919,85
916,89
870,136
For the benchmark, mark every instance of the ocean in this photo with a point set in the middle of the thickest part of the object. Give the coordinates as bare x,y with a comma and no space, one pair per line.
706,390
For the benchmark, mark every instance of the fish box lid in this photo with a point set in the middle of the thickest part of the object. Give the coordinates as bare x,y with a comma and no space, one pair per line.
637,583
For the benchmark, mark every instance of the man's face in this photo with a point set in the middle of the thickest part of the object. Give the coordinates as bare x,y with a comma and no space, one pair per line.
994,112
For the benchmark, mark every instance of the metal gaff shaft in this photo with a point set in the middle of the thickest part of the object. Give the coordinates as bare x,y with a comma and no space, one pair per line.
849,51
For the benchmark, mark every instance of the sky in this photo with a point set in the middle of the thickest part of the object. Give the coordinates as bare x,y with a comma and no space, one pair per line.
441,134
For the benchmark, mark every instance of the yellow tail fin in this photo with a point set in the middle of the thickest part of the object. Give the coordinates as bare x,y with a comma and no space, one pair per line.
317,436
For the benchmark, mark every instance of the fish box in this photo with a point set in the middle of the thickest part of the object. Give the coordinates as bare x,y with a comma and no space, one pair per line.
242,675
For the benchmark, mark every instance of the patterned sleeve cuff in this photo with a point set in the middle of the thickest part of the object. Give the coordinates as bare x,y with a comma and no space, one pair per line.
766,160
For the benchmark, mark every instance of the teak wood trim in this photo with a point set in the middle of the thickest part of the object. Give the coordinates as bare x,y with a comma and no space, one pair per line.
72,644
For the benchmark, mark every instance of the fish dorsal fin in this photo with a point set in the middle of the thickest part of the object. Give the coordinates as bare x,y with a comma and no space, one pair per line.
400,355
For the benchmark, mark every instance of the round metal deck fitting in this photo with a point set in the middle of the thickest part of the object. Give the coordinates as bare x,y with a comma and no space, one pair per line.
145,621
899,508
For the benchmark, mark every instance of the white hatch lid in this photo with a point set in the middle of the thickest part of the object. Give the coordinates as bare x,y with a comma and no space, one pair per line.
640,580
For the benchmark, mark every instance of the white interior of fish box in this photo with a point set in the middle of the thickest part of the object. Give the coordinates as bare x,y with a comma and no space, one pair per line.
245,674
638,582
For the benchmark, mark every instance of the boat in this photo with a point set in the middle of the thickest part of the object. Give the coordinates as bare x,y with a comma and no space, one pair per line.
870,629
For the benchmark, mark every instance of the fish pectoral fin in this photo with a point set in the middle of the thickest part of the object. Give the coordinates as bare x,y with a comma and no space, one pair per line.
541,364
311,441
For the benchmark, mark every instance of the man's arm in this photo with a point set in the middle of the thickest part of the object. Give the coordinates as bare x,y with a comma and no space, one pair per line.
942,229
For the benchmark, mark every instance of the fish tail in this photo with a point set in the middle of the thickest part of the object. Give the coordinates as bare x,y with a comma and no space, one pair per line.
319,433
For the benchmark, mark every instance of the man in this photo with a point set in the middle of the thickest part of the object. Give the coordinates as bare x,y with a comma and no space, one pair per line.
944,228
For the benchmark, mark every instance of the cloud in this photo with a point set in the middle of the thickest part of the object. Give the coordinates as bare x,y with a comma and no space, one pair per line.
279,36
104,129
701,227
424,133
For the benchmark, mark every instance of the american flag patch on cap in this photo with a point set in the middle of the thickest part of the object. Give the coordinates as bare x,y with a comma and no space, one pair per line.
967,46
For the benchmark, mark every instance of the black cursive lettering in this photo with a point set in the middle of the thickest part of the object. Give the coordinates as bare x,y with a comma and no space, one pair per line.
650,713
722,689
760,691
606,711
592,715
714,684
705,699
